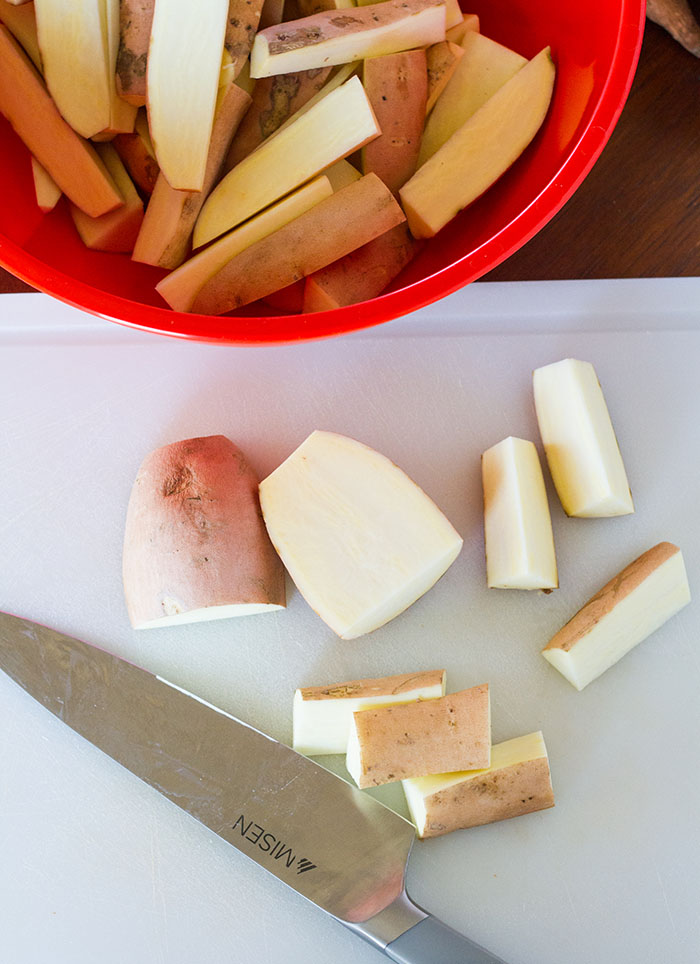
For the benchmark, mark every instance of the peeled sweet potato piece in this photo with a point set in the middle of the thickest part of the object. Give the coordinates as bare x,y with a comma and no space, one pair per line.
195,545
71,161
20,20
116,230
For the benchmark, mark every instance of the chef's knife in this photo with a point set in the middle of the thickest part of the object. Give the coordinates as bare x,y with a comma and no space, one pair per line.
331,843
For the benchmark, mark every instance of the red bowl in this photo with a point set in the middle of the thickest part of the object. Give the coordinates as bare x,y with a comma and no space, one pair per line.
595,48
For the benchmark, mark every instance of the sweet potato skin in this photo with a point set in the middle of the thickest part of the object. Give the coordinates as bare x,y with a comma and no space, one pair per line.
275,99
397,89
498,795
330,230
243,21
135,19
194,534
362,274
428,736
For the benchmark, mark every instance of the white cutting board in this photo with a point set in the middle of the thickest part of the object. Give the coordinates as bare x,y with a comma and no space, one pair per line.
95,866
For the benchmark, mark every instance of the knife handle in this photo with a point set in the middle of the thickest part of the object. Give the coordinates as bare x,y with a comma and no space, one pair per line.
432,942
410,935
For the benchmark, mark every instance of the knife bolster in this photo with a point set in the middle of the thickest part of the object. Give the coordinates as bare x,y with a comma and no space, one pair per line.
389,924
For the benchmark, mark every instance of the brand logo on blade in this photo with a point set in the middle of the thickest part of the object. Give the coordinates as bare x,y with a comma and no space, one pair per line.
269,844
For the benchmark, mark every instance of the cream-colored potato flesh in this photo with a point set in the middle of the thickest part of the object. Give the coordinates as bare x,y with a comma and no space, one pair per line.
338,124
361,541
485,67
73,43
481,150
517,782
184,64
617,618
177,618
579,440
46,190
517,525
322,718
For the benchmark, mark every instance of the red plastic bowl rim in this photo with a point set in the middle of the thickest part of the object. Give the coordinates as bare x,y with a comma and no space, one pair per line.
266,331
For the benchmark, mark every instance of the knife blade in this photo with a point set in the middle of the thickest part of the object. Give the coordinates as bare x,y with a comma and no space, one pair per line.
333,844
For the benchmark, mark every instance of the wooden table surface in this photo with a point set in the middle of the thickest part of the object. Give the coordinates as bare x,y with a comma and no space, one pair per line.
637,214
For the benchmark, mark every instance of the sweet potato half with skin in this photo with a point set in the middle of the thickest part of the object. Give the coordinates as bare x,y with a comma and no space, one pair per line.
195,545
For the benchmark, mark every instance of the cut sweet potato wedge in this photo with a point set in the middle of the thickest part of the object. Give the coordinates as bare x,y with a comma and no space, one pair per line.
138,160
629,608
135,20
181,286
46,190
275,99
340,122
71,161
397,88
476,77
166,232
330,37
362,274
517,782
74,53
442,60
21,22
481,150
322,715
182,86
122,115
389,743
116,230
241,26
330,230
